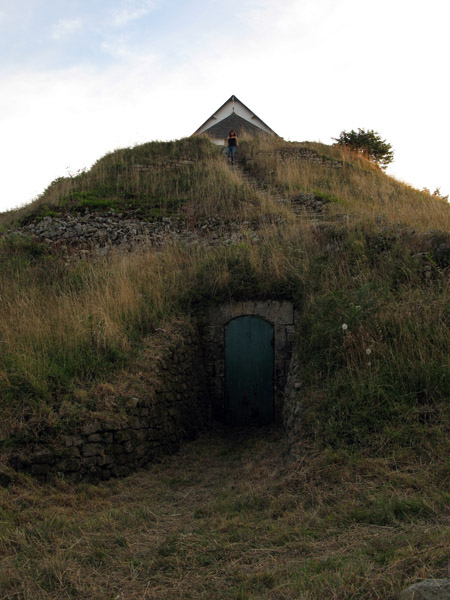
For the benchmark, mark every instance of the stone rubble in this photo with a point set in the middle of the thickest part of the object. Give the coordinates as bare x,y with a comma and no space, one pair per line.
97,234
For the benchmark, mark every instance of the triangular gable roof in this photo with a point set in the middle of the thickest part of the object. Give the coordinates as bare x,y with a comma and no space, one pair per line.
233,107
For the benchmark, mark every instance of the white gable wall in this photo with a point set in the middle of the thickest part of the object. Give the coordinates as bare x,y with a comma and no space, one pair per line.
239,109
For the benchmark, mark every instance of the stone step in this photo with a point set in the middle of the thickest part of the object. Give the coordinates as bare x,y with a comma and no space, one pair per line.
300,210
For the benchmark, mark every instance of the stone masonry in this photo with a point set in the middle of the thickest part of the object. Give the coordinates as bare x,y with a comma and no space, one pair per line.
281,314
165,402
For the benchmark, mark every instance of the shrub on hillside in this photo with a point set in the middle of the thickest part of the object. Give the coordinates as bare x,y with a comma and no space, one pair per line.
369,144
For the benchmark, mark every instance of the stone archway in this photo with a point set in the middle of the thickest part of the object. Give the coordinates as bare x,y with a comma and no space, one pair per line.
280,315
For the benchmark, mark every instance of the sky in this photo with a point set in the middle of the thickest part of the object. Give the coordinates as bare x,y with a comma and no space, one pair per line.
80,78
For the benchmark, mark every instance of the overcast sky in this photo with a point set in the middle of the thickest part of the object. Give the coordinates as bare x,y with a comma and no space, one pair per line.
79,78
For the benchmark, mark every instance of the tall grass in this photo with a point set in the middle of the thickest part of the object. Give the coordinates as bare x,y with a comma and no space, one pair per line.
188,178
62,323
360,189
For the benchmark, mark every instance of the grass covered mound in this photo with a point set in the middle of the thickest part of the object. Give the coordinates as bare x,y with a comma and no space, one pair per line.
374,325
360,509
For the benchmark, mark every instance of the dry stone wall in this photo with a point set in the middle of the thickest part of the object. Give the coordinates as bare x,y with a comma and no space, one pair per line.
302,154
164,402
98,234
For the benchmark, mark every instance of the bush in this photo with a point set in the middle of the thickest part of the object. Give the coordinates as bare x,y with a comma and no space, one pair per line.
369,144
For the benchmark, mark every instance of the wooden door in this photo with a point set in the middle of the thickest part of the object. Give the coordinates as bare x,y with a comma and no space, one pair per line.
249,371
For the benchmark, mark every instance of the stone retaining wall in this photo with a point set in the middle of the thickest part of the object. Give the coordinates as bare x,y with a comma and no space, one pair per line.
163,401
303,154
94,233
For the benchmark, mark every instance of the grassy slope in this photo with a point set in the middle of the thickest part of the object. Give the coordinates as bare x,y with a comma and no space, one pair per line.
375,395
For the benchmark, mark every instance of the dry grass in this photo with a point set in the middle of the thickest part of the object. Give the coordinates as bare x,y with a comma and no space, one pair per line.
61,323
246,525
360,189
189,178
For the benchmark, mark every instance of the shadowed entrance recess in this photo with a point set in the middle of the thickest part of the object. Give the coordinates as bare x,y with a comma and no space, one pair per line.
249,370
280,316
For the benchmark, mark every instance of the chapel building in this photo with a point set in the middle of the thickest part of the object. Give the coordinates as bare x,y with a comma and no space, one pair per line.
233,115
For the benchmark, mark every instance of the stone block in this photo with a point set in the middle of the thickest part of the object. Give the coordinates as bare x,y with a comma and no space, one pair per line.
128,447
122,436
112,423
105,461
135,423
92,450
120,471
105,474
107,437
285,314
216,352
279,369
261,309
73,440
210,367
272,312
131,403
219,315
429,589
219,369
139,435
68,464
236,309
280,335
116,449
95,437
121,459
140,451
90,428
249,308
291,333
43,457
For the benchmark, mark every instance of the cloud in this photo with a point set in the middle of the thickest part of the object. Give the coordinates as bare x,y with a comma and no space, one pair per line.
65,28
132,10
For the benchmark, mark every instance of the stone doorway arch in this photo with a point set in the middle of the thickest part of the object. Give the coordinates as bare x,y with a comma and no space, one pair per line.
281,315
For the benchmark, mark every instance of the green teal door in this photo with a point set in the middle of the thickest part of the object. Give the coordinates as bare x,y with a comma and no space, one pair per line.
249,366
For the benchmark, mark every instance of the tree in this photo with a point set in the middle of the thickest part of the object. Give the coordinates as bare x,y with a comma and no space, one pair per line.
369,144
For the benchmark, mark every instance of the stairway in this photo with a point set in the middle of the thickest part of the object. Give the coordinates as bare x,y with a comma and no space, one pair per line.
298,205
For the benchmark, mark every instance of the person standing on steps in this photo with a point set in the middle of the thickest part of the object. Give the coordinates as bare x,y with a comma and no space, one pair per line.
232,144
